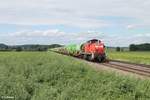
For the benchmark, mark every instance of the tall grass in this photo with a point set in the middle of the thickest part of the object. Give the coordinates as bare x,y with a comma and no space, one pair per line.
51,76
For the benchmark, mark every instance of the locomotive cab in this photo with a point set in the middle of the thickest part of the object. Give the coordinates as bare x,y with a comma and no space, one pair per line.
94,50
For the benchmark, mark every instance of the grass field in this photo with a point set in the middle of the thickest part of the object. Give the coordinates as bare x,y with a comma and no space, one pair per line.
135,57
51,76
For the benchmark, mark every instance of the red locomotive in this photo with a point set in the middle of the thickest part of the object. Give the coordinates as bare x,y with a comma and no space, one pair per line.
93,50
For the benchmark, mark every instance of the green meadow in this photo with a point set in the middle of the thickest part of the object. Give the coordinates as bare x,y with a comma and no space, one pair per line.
135,57
51,76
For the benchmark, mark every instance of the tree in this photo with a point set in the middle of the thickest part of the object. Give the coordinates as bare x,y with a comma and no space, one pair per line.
140,47
18,49
118,49
121,49
3,47
133,47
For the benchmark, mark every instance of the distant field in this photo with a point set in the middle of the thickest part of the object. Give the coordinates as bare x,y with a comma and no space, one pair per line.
135,57
51,76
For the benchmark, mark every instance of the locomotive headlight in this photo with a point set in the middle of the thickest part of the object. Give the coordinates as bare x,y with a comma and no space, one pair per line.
96,46
99,46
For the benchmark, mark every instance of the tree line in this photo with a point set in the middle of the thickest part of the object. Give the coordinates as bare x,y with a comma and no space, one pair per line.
31,47
140,47
135,47
37,47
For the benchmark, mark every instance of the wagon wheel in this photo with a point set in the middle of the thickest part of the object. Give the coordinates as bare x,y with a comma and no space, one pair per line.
99,58
85,57
104,57
91,57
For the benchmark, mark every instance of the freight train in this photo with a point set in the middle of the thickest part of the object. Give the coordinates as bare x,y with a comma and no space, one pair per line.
93,50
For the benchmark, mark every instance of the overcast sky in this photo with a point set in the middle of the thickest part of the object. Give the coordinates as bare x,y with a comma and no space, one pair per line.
115,22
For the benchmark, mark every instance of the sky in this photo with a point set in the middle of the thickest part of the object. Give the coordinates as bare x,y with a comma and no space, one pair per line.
115,22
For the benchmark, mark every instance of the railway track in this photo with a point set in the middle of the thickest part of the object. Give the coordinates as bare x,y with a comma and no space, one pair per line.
140,69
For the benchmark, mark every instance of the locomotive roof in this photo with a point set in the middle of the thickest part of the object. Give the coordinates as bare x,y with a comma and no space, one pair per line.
93,40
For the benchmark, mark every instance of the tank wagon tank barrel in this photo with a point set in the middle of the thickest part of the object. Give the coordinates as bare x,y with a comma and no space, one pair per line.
73,49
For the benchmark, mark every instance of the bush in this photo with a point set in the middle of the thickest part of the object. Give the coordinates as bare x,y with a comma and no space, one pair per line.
118,49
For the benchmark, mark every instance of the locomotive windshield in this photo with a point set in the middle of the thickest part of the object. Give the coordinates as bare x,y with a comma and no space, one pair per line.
94,41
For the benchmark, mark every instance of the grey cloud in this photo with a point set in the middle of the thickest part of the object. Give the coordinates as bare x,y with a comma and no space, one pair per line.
57,36
24,11
73,13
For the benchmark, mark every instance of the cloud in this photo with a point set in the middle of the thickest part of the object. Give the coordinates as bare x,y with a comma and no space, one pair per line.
132,26
50,36
79,14
137,26
72,12
44,12
126,40
61,37
57,35
37,33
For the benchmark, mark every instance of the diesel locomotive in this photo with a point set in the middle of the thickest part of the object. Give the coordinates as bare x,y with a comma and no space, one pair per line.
91,50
